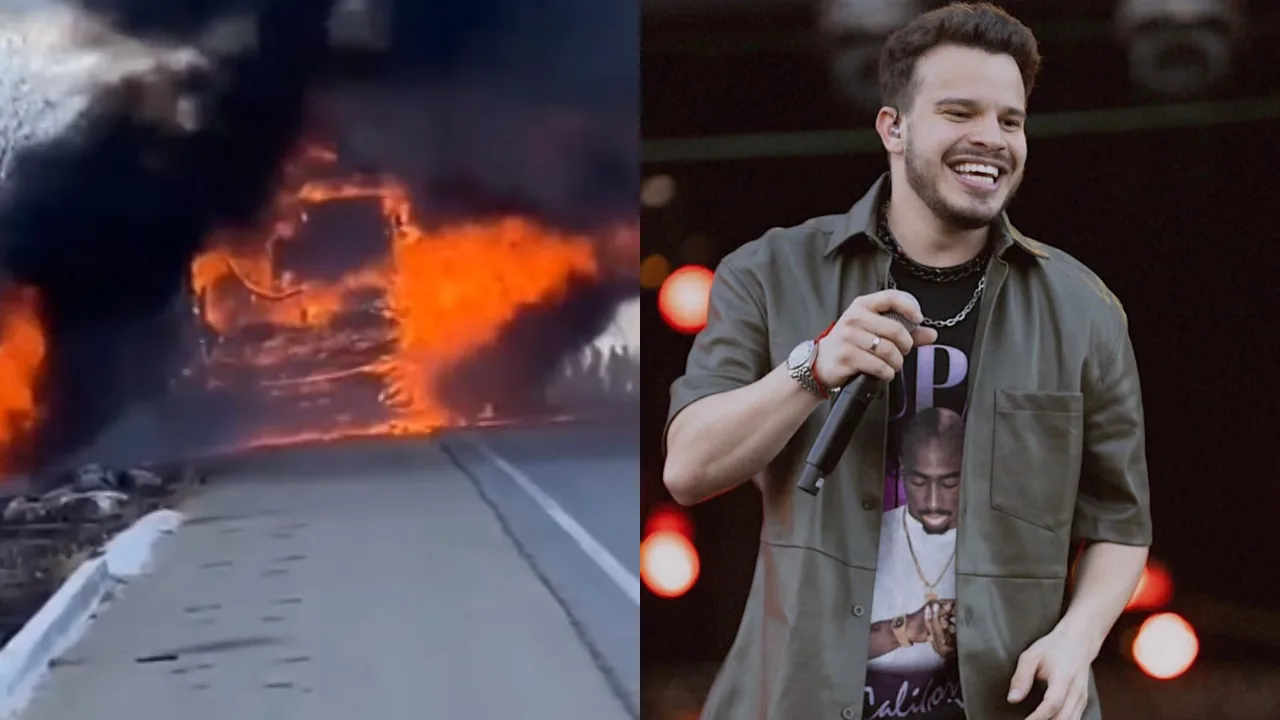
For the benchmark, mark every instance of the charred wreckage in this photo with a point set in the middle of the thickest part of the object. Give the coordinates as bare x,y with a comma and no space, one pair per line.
139,131
136,133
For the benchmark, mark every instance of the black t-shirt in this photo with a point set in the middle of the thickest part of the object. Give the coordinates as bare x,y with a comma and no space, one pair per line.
917,537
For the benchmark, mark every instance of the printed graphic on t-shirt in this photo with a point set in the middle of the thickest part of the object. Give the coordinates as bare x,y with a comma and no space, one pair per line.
912,670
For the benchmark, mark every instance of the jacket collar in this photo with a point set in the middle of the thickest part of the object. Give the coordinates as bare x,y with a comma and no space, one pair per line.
861,221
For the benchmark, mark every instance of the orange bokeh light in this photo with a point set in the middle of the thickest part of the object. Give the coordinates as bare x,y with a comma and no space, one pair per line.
1166,646
1154,590
668,517
684,298
669,563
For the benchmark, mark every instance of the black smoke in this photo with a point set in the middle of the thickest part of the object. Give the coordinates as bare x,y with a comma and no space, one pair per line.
510,373
530,105
105,220
535,113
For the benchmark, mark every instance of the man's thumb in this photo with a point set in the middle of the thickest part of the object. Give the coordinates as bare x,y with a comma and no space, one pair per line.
1023,676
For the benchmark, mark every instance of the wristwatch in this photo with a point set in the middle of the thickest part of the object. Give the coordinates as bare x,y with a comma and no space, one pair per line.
899,626
800,366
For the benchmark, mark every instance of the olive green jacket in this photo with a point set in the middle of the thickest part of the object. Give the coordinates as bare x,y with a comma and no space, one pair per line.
1054,452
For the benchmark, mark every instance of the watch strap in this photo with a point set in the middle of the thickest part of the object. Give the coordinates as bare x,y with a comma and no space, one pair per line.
804,376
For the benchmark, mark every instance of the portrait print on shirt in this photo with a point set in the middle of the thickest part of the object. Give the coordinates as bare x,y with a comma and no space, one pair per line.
912,670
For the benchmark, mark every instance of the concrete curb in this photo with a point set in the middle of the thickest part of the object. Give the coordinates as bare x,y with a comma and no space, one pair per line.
64,618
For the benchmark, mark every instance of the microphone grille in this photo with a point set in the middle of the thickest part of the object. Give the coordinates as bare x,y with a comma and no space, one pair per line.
910,326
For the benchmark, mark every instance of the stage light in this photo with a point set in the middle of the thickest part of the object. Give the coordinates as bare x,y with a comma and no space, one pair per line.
657,191
669,563
1178,48
653,271
1154,590
1165,646
684,298
854,31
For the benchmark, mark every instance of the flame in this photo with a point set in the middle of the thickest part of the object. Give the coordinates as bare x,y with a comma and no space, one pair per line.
438,295
22,349
425,303
452,291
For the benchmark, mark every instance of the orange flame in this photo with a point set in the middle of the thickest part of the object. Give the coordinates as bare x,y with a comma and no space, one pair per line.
454,290
437,296
22,349
443,294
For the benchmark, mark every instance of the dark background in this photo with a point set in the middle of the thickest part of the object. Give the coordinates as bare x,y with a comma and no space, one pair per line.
1172,204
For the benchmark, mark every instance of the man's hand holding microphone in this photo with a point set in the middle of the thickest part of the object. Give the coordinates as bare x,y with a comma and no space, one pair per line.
865,346
717,442
868,340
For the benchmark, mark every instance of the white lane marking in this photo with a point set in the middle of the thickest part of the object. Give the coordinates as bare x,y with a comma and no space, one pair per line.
617,572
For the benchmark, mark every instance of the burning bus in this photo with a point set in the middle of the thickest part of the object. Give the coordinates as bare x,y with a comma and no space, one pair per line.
196,233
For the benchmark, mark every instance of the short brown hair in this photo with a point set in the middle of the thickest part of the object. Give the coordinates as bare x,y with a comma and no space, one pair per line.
976,25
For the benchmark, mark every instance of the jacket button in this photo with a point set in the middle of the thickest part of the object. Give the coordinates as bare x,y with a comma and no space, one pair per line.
868,503
848,713
858,611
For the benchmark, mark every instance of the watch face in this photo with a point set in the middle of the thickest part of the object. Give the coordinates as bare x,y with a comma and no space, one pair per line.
800,356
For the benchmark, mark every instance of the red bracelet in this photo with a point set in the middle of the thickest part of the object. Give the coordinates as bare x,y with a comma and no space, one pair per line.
822,388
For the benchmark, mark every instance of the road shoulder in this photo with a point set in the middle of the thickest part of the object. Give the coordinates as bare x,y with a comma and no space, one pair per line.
323,595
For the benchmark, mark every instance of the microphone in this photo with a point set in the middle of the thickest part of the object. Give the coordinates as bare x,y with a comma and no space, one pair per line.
847,411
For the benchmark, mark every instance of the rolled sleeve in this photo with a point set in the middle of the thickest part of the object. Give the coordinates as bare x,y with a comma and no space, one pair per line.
1113,500
732,351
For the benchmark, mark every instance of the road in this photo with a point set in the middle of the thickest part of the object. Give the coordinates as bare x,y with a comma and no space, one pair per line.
482,574
570,499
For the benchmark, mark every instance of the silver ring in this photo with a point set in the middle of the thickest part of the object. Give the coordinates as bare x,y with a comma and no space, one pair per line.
875,343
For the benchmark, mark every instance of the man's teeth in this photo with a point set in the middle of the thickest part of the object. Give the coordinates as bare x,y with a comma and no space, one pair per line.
978,171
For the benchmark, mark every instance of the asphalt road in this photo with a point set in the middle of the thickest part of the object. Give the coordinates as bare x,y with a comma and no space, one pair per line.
569,497
467,575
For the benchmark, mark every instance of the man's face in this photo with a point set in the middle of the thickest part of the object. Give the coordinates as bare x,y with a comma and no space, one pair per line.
933,485
965,144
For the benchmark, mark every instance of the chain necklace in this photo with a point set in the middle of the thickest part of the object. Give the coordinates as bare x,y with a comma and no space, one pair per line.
958,317
924,272
936,275
930,593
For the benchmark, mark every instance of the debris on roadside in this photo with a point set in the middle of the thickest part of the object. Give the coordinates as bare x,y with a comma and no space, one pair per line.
44,537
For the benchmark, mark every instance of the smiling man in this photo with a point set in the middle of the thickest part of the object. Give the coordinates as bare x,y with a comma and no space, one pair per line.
1012,428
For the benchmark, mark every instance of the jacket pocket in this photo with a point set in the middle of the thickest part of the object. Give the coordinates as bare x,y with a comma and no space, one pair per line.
1035,467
